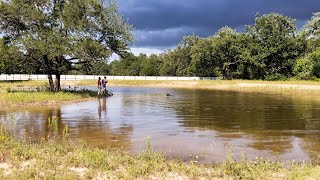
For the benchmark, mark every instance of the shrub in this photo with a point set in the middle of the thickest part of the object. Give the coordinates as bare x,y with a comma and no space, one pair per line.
308,68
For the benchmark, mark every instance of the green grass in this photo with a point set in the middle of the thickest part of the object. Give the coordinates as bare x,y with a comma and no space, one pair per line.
63,159
10,98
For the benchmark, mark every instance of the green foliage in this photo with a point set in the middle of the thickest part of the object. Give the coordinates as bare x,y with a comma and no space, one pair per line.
77,37
275,46
268,51
308,68
303,69
56,34
203,60
311,32
128,65
149,66
9,58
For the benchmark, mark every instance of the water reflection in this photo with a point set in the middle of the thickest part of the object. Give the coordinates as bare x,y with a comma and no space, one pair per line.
102,107
187,123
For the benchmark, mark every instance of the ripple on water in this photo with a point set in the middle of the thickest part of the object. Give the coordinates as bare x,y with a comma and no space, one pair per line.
191,122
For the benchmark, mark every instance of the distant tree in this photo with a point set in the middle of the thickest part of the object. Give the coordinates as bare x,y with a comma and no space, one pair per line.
275,45
128,65
55,34
308,68
311,31
219,55
204,61
177,62
150,66
9,58
228,48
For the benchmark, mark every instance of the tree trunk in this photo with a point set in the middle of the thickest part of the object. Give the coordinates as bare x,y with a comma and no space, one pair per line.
51,82
58,85
49,72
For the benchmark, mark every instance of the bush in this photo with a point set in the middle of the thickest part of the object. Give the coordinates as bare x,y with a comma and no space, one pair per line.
276,77
308,68
303,69
315,59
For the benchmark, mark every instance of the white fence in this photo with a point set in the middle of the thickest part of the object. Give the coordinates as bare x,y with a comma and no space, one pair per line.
21,77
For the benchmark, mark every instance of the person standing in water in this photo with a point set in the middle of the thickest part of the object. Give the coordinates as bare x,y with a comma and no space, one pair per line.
99,85
104,85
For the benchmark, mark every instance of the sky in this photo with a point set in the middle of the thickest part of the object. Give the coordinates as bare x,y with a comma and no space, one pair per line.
161,24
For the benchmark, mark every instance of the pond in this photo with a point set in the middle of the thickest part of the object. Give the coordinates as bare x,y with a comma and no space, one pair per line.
201,125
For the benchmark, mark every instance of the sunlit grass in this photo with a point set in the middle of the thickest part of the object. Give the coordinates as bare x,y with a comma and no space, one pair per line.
37,97
9,99
7,84
63,159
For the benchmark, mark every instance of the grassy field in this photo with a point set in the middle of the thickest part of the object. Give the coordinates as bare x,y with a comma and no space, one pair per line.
62,159
9,99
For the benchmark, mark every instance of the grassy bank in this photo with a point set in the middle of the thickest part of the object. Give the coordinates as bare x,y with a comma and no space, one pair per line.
11,99
53,159
303,88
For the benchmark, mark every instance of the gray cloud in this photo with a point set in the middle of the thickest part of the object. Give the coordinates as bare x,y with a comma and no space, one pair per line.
162,23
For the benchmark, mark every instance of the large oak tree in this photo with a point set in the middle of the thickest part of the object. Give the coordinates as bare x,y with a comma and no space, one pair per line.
56,34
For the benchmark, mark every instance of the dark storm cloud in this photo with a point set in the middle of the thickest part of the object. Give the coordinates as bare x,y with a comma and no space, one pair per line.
161,23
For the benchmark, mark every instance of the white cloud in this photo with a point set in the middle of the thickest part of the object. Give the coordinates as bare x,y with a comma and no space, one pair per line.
138,50
148,51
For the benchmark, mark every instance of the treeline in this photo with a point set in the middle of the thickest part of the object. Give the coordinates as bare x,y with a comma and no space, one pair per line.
271,49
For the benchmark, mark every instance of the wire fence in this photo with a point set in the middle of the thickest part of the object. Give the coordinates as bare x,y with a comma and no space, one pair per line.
25,77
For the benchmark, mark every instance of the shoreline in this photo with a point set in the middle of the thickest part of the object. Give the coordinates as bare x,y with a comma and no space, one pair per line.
305,89
224,85
63,158
287,88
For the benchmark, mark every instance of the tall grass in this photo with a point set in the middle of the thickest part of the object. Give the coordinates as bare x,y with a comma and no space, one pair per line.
63,159
17,93
7,99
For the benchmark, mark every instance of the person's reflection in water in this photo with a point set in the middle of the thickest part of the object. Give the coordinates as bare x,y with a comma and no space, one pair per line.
99,109
104,104
103,107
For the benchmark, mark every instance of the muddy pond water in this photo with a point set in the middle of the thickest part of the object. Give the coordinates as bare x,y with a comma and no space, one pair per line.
201,125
